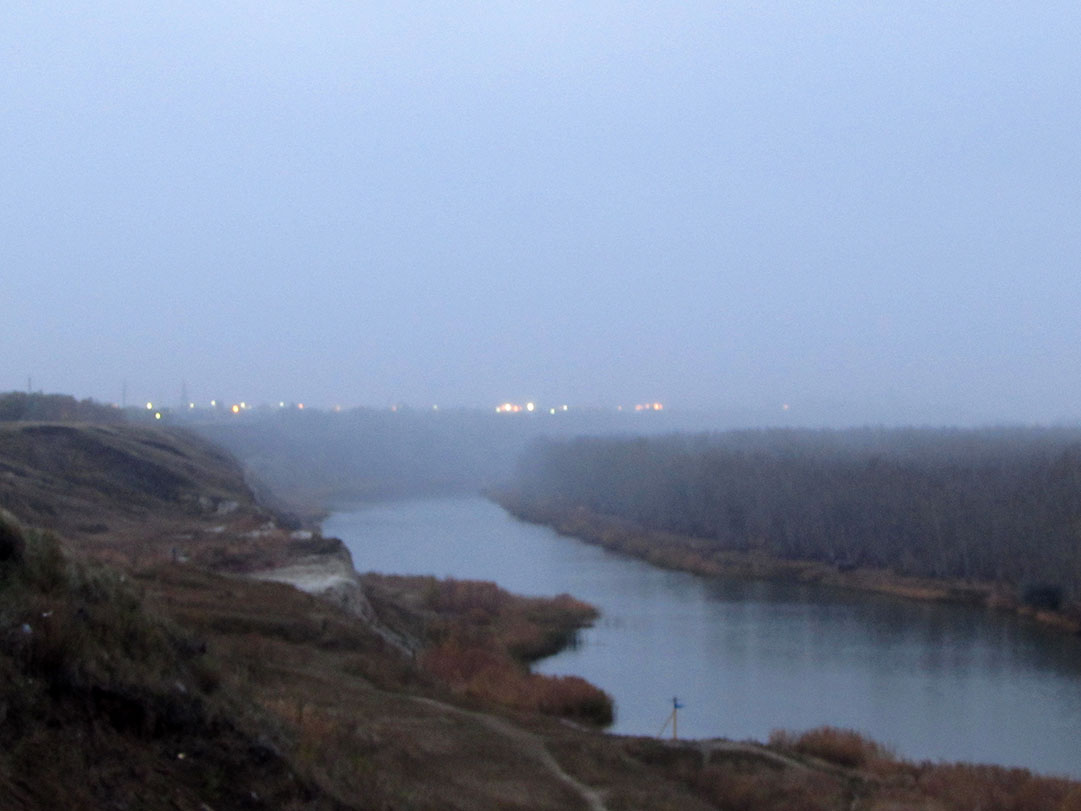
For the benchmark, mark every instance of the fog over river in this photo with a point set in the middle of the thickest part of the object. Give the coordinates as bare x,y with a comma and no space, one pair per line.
932,681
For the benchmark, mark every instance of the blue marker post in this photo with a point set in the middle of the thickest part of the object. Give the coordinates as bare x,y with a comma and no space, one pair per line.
672,719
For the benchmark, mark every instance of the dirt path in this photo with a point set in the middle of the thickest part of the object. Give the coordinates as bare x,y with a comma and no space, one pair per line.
530,744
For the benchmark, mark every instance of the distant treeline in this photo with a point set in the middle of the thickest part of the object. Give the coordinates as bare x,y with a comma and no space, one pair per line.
37,407
999,505
320,457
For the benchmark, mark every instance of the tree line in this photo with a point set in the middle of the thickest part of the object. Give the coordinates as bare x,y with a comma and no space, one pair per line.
1001,505
38,407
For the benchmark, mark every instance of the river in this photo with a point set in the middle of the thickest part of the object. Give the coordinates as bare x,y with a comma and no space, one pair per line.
932,681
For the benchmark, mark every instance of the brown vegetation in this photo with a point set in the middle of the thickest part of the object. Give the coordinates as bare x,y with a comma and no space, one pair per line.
671,551
480,639
844,747
163,684
104,704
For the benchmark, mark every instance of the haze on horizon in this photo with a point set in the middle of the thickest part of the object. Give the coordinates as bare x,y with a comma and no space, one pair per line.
871,213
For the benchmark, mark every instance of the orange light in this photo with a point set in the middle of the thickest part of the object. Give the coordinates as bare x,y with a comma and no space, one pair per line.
236,409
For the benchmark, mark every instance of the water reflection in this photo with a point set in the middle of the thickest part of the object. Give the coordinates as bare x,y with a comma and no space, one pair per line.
935,681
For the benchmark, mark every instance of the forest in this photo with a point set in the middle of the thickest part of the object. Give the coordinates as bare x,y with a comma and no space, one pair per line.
992,505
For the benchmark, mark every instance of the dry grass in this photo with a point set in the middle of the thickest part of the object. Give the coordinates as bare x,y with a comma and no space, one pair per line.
279,700
480,639
736,786
959,787
844,747
100,696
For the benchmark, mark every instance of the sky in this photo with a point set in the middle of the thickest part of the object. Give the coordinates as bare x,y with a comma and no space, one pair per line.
866,212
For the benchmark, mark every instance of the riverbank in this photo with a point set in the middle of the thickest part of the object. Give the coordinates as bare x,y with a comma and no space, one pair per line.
150,631
700,556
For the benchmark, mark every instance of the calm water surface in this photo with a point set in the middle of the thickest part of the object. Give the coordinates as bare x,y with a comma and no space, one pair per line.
932,681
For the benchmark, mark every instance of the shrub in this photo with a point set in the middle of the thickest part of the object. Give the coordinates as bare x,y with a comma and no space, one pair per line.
844,747
490,676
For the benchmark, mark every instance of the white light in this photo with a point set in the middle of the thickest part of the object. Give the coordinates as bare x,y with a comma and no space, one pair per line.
149,406
529,406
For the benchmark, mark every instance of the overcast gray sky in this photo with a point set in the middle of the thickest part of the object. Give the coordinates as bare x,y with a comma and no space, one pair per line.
867,211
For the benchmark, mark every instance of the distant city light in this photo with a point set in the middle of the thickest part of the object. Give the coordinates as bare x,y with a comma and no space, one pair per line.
564,408
508,408
235,409
191,405
784,407
281,404
435,408
213,403
530,406
337,409
149,406
551,411
157,415
300,406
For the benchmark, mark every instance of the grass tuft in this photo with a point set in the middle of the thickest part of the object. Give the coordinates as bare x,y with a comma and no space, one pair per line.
845,747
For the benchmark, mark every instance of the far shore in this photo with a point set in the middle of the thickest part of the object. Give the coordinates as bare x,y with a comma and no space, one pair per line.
699,556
